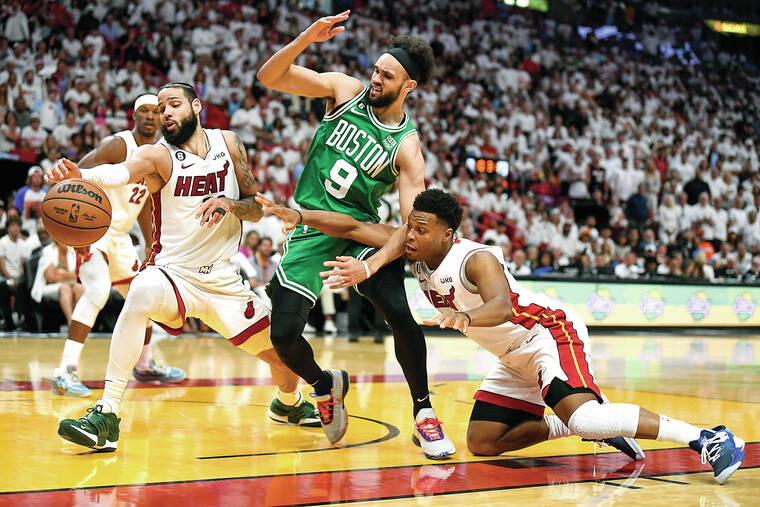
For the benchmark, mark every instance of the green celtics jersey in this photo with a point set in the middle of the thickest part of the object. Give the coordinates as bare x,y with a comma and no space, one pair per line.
351,161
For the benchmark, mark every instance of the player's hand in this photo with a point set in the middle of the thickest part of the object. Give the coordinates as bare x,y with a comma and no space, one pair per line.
449,318
346,271
64,169
289,217
322,29
213,210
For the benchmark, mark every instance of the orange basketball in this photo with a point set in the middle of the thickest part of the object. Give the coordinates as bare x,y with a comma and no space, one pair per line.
76,212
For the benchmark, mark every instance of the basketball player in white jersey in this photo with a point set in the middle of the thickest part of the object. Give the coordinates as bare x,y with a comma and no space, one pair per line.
201,187
541,345
112,261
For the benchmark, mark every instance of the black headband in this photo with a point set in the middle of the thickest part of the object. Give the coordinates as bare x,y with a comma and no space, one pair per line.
406,61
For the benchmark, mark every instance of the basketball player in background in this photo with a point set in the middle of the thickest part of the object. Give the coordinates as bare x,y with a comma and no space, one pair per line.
364,144
541,345
201,187
112,260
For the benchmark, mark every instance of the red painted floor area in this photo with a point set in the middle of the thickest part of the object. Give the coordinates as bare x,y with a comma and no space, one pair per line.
397,482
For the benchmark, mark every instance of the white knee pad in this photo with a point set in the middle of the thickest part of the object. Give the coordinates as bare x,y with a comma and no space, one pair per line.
147,293
97,284
594,421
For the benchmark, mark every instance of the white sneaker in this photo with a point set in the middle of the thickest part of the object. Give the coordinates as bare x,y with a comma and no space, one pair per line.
309,329
330,327
428,434
331,406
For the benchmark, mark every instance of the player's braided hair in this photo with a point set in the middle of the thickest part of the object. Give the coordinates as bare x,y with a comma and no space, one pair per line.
187,89
420,51
441,204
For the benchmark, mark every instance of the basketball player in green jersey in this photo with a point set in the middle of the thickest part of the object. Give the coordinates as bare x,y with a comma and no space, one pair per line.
364,144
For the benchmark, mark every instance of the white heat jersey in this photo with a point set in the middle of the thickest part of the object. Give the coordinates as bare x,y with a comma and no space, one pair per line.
128,200
447,287
178,238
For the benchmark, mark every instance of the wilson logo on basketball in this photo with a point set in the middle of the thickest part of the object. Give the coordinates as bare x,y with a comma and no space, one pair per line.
250,311
74,213
78,189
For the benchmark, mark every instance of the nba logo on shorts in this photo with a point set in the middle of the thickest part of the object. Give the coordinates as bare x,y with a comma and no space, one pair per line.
74,213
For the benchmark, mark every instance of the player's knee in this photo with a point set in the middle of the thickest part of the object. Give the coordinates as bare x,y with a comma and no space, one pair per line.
146,293
285,330
98,292
594,421
480,446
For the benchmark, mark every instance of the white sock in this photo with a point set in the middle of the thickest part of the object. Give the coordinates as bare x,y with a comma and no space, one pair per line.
145,358
557,428
112,394
673,430
290,399
71,352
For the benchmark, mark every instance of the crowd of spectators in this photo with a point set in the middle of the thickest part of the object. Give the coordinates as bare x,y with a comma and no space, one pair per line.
623,160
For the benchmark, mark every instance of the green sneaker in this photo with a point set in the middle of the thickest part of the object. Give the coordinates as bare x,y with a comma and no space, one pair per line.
302,413
95,430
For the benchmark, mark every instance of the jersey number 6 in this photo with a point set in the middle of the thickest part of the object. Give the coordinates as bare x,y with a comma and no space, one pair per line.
342,175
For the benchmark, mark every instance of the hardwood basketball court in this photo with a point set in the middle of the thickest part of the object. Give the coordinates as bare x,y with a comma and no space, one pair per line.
208,440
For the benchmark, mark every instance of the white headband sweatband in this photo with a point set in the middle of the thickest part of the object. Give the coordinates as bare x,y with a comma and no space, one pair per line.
146,99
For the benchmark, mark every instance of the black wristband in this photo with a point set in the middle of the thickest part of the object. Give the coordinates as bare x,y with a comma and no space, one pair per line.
469,319
300,217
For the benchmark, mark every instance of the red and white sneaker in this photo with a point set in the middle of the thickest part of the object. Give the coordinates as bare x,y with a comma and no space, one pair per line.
332,410
428,434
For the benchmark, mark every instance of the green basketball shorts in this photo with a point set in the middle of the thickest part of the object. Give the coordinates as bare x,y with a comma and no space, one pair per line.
305,251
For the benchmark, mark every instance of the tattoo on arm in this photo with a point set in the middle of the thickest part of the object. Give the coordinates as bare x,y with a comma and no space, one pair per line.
244,170
246,208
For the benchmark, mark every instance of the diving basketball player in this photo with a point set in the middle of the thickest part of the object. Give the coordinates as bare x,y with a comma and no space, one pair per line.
201,187
112,260
542,346
364,144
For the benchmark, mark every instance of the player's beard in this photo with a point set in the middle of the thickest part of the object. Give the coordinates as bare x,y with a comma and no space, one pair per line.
183,132
384,99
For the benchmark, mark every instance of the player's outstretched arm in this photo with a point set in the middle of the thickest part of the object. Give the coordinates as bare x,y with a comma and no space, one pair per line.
331,223
279,72
111,150
150,162
483,270
213,210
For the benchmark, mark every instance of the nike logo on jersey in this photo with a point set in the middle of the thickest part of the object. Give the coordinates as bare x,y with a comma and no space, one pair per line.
359,111
188,165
